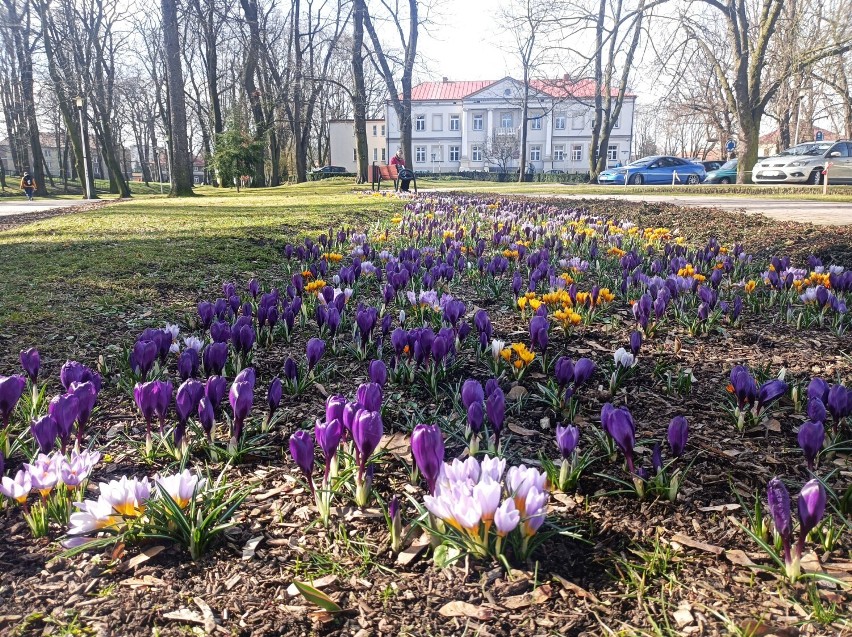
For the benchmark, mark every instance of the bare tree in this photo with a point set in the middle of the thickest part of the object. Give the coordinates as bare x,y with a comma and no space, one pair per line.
181,166
502,150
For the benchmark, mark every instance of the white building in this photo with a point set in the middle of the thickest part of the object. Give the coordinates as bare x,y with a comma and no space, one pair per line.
343,150
473,126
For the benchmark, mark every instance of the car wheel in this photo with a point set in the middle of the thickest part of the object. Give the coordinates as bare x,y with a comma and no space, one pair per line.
693,180
636,180
725,180
816,177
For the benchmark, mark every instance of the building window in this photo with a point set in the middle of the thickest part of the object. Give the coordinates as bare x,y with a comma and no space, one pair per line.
476,153
420,123
535,123
506,120
617,121
559,123
375,154
577,152
454,122
420,154
383,153
354,154
612,152
437,153
477,122
375,130
535,153
577,121
437,122
558,152
454,153
383,130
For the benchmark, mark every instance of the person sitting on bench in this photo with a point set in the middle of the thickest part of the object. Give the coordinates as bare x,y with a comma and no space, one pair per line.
405,175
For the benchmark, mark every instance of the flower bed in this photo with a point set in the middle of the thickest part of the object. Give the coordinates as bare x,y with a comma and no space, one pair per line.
502,392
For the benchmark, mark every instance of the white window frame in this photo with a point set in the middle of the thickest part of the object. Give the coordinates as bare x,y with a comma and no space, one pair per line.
375,130
559,122
617,121
476,152
420,123
478,122
455,122
384,156
420,154
612,152
576,152
535,123
506,120
559,152
535,152
375,154
383,130
454,153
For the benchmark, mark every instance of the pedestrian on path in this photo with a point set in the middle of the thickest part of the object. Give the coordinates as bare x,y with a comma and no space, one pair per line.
28,185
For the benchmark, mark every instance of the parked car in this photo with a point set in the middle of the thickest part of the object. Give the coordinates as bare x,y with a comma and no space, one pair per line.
805,163
725,174
657,169
330,169
711,165
555,171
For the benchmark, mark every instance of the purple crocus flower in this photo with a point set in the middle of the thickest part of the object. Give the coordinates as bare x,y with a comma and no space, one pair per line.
291,370
206,311
206,416
253,287
187,364
769,391
811,507
440,348
584,369
146,399
45,430
811,436
427,448
163,398
31,362
350,412
273,396
64,408
11,389
818,388
143,356
302,450
618,423
635,342
71,372
328,435
538,332
657,457
567,438
744,386
241,397
247,375
367,430
495,407
838,403
334,406
563,371
778,499
220,332
471,393
816,410
677,435
214,390
378,373
314,351
187,398
370,396
87,396
475,416
214,357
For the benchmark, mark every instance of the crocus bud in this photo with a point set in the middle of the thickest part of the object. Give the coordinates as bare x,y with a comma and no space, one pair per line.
623,431
45,430
367,430
471,393
328,435
302,450
370,396
314,351
584,369
635,342
818,388
273,396
378,373
811,506
31,362
566,439
564,371
811,437
64,408
779,508
678,433
816,410
427,448
206,415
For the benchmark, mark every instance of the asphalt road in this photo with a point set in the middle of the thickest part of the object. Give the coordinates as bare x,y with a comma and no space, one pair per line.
828,213
22,206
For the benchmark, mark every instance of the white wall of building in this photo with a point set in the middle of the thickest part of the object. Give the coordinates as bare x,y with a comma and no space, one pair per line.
560,140
343,149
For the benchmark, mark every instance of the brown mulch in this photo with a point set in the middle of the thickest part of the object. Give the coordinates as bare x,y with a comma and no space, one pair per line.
697,560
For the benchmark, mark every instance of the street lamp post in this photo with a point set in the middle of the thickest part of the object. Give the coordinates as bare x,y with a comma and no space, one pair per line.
87,188
798,117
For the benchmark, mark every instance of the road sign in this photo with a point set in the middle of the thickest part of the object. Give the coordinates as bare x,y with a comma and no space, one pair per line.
819,135
730,146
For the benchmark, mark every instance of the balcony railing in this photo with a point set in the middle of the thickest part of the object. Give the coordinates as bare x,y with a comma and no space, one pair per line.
506,131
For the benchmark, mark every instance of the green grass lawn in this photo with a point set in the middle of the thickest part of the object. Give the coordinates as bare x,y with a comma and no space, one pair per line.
70,276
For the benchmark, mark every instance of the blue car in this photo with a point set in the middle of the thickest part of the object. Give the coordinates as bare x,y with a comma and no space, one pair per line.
659,169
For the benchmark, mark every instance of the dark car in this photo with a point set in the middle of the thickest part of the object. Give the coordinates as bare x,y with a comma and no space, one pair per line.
330,169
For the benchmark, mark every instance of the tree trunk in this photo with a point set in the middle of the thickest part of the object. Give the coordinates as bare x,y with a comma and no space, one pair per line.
359,96
181,185
525,109
253,95
749,138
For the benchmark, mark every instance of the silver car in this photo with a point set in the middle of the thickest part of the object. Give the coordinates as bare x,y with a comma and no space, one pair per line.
805,163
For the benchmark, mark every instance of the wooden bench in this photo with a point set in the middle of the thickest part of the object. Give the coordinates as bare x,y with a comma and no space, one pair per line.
388,172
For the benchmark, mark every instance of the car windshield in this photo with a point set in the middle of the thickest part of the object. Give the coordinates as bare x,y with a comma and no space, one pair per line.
729,165
807,149
642,162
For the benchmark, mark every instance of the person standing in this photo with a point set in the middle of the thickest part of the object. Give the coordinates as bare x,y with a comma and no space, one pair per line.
404,174
28,185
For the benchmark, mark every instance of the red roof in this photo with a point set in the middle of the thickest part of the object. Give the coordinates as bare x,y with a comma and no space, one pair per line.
428,91
447,90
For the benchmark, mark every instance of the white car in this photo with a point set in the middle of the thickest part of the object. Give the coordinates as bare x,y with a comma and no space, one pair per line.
805,163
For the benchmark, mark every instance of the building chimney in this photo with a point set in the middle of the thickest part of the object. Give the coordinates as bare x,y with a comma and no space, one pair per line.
446,79
567,77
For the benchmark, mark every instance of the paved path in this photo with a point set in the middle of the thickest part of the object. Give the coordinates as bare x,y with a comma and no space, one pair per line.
9,206
829,213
